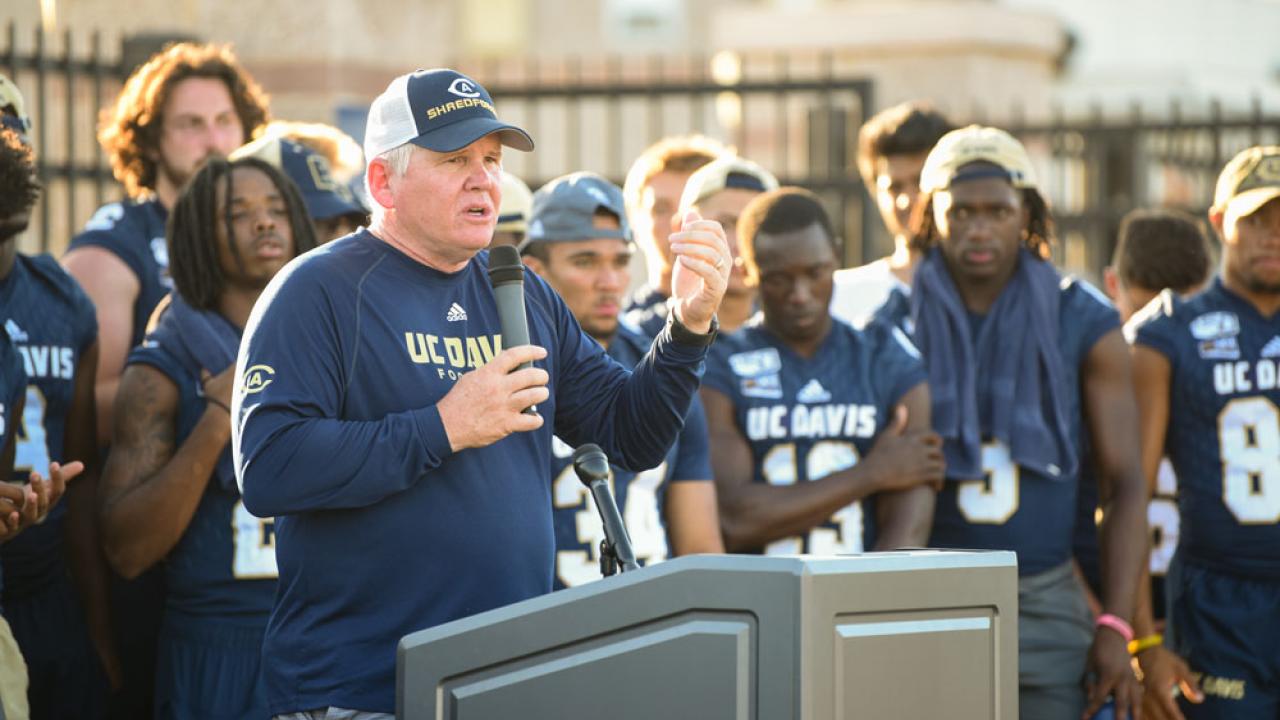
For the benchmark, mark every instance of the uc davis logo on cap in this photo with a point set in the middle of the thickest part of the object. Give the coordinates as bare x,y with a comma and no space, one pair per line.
463,87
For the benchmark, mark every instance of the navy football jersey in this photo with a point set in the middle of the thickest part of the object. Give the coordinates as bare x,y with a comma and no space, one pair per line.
1015,508
807,418
1223,436
134,231
51,322
646,311
224,566
641,497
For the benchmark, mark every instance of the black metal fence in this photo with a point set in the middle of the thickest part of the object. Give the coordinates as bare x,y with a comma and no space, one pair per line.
1097,168
793,114
802,126
64,83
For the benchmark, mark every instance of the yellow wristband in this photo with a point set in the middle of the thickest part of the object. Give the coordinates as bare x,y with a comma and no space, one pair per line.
1143,643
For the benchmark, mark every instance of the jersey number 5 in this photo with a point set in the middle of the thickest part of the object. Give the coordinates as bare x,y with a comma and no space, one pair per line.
1249,439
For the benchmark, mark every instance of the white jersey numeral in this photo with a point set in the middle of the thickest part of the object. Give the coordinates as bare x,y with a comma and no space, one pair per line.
993,499
33,442
1249,440
255,545
641,515
825,457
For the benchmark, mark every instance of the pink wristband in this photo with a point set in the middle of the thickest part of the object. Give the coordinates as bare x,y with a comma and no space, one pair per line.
1115,623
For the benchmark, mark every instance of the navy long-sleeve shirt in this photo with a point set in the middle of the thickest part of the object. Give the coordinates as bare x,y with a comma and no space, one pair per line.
381,530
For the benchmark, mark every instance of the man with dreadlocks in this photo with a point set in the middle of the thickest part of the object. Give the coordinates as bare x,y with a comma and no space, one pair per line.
184,105
169,490
50,321
1017,359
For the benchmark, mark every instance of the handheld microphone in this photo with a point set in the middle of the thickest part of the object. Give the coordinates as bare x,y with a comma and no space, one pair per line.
506,274
592,467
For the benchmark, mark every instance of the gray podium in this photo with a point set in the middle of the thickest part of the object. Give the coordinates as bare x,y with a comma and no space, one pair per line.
913,634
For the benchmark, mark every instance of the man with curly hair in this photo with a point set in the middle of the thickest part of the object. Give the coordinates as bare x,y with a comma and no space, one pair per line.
187,103
184,105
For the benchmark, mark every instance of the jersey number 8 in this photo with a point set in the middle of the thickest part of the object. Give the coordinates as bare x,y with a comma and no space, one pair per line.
1249,438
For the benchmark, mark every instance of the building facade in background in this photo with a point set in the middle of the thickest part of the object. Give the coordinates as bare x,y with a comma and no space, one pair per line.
786,81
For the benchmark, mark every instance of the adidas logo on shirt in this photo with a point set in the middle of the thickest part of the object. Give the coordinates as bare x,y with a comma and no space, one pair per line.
1272,348
813,392
456,313
16,334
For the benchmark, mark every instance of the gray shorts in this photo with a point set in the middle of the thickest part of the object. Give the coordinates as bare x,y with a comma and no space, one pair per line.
1055,631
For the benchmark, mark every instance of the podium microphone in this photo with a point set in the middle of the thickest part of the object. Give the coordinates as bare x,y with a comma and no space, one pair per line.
506,274
592,467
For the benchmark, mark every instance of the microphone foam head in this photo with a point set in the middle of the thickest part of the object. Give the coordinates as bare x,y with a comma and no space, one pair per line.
504,265
590,463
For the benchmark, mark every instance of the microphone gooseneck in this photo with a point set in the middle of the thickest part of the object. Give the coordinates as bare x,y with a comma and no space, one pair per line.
592,468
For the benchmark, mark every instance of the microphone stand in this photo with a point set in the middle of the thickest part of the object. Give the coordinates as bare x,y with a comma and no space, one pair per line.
592,468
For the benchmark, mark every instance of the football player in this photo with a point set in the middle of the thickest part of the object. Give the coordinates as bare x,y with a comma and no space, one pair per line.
1155,249
185,105
54,580
1207,390
1017,358
892,146
820,432
169,490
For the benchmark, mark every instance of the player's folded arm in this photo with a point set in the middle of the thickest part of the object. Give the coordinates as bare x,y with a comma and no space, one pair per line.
905,517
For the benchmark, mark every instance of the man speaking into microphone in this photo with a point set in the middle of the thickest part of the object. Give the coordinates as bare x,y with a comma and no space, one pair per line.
378,414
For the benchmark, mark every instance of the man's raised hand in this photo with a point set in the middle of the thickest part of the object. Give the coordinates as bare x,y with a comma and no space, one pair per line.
701,271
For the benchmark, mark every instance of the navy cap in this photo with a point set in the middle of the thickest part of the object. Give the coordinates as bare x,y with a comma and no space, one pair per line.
441,110
564,209
325,197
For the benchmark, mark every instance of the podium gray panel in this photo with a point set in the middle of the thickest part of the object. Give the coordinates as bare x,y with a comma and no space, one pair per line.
676,663
901,635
